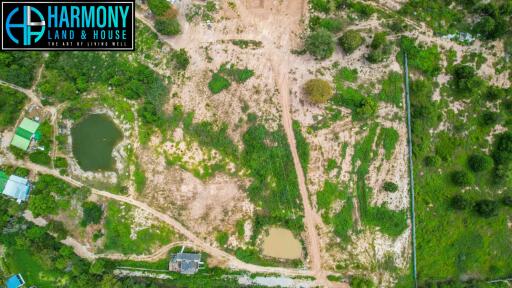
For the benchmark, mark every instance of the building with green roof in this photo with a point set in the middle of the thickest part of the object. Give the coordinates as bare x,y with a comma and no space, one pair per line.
24,133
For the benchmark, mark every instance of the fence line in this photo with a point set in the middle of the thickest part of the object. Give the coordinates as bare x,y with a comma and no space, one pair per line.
411,169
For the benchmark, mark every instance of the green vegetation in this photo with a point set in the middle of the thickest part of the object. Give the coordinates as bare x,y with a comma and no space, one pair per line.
180,59
222,238
361,282
423,59
380,48
318,91
244,44
167,26
92,213
274,188
342,220
159,7
118,228
227,71
392,89
139,178
392,223
331,24
347,74
390,186
350,41
11,104
388,137
320,44
205,12
19,68
302,146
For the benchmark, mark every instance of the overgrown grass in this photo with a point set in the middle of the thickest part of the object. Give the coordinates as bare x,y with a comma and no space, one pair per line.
34,268
392,89
118,231
342,220
388,137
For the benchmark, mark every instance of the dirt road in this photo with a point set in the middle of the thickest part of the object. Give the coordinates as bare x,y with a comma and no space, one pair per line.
231,261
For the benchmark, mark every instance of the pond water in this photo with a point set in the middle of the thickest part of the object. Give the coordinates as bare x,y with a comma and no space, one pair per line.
281,243
94,139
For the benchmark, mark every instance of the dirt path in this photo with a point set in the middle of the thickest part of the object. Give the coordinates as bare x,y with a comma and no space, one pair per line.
231,261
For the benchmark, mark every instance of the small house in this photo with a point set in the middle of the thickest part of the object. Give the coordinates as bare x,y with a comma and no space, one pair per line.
15,281
185,263
15,187
25,133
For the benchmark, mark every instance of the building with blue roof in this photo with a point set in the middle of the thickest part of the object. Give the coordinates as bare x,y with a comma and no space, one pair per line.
15,281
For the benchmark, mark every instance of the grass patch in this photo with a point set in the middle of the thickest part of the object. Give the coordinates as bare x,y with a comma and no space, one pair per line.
388,137
392,89
118,228
302,146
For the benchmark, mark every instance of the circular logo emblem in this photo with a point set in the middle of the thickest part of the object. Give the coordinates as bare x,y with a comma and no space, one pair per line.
29,29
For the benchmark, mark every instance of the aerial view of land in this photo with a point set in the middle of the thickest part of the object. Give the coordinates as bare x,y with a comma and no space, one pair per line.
265,143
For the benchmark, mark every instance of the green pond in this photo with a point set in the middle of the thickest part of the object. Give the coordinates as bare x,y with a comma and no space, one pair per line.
94,139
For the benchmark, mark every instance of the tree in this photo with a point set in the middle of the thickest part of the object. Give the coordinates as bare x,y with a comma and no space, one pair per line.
462,178
97,267
494,93
489,118
379,40
159,7
43,204
318,91
459,202
92,213
57,228
464,79
432,161
486,208
320,44
350,41
390,186
502,152
479,163
367,108
167,26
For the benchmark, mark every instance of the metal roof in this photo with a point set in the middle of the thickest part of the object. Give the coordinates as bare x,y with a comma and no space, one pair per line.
20,142
187,257
29,125
24,133
17,188
188,267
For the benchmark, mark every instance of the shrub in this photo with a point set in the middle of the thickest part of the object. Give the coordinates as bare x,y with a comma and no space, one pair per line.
318,90
218,83
92,213
502,152
41,158
479,163
459,202
462,178
489,118
222,238
367,108
159,7
180,59
61,162
360,282
494,93
390,186
167,26
350,41
379,40
320,44
486,208
321,5
432,161
507,200
333,25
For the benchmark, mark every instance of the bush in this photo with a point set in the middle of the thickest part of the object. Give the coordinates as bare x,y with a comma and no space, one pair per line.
367,108
159,7
321,5
43,204
479,163
222,238
318,91
379,40
432,161
320,44
502,152
494,93
167,26
390,186
92,213
350,41
459,202
486,208
218,83
462,178
180,59
360,282
41,158
507,200
333,25
61,162
489,118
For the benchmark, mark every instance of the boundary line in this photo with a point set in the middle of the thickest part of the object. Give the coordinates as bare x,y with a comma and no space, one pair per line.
411,169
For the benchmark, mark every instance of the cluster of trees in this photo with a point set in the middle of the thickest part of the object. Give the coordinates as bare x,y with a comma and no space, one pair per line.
321,45
11,104
502,155
19,68
494,19
166,22
485,207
